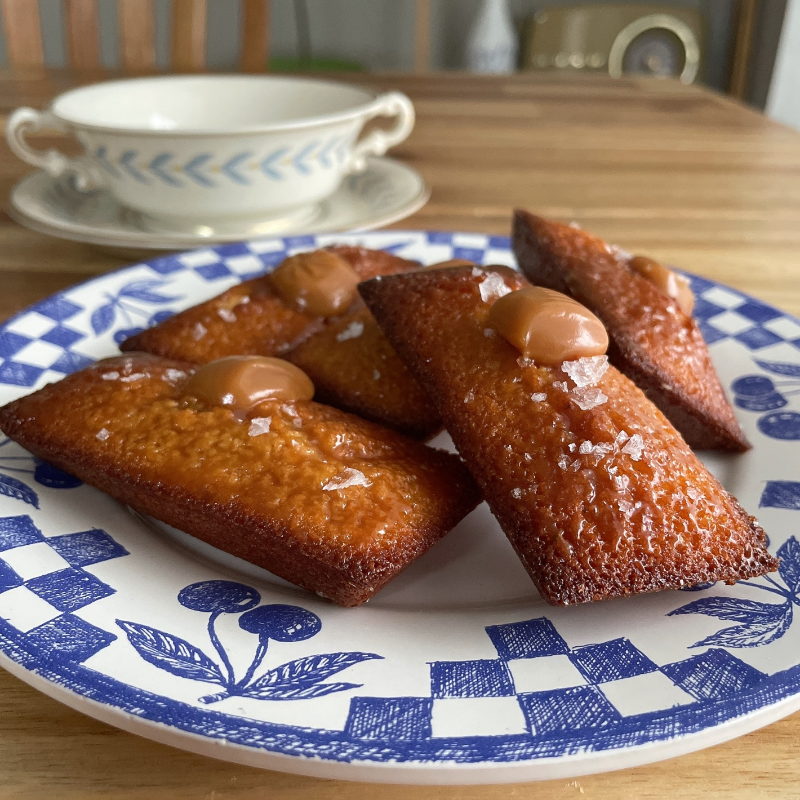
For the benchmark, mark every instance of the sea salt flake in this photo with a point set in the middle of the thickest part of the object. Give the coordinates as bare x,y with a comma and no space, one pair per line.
226,315
634,447
470,397
625,507
227,399
477,272
586,371
523,362
134,376
693,493
586,447
539,397
563,462
199,331
346,478
587,398
622,437
528,456
259,425
516,493
561,386
572,447
575,465
621,482
376,375
492,287
352,331
173,375
110,376
103,434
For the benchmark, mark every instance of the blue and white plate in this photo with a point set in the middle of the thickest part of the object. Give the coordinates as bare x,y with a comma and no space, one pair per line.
455,673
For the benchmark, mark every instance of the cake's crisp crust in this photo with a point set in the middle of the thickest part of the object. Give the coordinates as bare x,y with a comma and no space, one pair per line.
599,495
251,319
353,367
652,341
321,498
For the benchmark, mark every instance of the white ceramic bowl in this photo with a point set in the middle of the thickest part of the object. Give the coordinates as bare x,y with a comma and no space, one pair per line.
194,151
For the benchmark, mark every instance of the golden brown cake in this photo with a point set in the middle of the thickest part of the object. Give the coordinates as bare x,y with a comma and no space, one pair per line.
321,498
652,340
354,367
347,357
251,318
597,492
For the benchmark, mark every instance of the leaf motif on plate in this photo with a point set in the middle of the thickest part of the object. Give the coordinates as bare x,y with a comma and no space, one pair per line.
297,692
171,653
789,569
733,608
11,487
780,368
753,634
103,318
143,290
310,670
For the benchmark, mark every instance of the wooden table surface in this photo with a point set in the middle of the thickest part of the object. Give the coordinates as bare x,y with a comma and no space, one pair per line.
676,172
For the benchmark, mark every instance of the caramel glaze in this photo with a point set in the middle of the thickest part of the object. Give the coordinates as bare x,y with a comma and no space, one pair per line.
548,326
320,498
598,501
242,382
669,282
651,340
319,283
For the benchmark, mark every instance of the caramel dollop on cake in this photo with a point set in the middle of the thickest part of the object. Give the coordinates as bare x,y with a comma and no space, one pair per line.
548,327
596,491
318,283
669,282
242,382
319,497
651,339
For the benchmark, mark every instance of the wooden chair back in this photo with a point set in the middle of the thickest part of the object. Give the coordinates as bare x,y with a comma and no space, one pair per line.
136,30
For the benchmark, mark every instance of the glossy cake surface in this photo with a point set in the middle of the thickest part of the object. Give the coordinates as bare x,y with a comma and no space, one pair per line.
597,492
354,367
651,340
319,497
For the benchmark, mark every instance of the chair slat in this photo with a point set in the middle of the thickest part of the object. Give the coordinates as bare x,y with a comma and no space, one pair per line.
83,34
255,36
188,35
136,24
23,32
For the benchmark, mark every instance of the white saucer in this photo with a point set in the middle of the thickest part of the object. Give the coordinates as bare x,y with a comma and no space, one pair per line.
386,192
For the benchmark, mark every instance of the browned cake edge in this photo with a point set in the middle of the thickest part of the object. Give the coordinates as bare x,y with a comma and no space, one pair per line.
701,429
263,542
385,311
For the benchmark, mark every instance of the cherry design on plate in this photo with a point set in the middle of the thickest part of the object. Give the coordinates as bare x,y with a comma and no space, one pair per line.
300,679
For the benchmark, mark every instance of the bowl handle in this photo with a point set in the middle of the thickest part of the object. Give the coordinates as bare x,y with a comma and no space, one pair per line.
376,143
26,120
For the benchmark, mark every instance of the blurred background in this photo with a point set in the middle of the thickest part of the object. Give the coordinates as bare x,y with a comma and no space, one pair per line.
747,48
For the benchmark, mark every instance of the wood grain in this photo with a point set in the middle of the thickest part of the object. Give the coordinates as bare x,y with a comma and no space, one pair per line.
255,36
189,18
680,173
83,34
136,24
23,31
